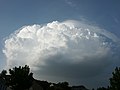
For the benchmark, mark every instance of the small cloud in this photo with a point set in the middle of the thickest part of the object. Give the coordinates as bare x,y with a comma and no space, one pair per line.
70,3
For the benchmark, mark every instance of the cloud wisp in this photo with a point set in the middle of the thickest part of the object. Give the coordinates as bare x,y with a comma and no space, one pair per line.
69,50
70,3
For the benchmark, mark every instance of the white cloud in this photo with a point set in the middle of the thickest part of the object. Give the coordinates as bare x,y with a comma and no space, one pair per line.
70,3
69,50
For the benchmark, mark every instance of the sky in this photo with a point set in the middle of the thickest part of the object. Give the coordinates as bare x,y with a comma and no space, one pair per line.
98,21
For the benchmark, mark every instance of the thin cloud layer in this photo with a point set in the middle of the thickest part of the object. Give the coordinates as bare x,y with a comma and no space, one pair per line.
71,50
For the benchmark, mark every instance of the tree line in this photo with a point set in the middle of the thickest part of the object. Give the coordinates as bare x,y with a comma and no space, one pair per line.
20,78
114,81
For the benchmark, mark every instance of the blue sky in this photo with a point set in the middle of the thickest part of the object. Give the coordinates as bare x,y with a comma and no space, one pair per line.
17,13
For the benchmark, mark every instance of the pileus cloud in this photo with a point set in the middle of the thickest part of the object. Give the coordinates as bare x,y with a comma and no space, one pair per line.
69,51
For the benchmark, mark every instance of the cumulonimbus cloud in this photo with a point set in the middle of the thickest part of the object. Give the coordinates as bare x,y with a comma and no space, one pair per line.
68,50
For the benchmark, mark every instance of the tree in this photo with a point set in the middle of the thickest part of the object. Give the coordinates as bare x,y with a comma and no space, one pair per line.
61,86
102,88
3,73
45,85
115,80
3,81
20,78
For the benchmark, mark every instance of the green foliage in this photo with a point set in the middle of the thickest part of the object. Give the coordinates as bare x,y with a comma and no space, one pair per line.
115,80
20,78
60,86
63,84
45,85
3,73
3,77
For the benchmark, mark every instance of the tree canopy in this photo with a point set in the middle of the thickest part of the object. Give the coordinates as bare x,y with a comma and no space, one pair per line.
115,80
20,78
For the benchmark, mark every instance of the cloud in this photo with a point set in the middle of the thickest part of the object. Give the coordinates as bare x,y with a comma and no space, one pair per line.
72,51
70,3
